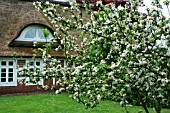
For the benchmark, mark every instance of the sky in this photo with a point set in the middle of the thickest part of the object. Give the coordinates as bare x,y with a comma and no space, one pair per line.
148,4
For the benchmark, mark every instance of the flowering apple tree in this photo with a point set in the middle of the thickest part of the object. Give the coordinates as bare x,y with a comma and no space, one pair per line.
120,53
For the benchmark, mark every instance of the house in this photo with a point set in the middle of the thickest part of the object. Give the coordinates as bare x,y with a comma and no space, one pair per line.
20,26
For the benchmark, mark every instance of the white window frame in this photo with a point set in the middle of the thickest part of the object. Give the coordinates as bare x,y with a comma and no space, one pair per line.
36,38
41,82
15,71
27,60
14,83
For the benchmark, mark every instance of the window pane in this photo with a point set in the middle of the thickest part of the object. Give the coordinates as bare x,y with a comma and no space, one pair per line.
3,74
31,69
37,63
3,79
40,34
31,64
10,63
37,68
31,33
10,70
10,79
3,70
21,63
10,75
3,63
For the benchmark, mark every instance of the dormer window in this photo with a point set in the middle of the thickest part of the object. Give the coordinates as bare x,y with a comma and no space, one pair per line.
31,34
34,33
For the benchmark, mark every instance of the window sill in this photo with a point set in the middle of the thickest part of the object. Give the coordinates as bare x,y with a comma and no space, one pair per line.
30,44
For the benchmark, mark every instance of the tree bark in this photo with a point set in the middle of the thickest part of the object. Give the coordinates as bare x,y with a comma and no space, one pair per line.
143,104
157,110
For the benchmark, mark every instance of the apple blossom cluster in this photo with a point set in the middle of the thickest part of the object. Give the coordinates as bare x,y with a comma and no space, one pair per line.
116,52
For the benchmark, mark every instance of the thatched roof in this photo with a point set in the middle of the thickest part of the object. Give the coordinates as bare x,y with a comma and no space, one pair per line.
15,15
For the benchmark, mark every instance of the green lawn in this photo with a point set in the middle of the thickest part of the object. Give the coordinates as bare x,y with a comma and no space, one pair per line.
51,103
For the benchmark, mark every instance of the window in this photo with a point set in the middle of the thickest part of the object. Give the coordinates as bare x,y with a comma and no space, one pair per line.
34,33
7,73
34,65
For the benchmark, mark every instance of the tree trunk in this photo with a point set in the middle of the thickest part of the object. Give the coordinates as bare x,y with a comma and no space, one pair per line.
143,104
157,110
145,108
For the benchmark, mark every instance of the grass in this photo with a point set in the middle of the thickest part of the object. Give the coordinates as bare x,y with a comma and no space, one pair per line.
51,103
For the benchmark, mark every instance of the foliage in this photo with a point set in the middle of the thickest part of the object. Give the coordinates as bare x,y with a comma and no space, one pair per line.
119,57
